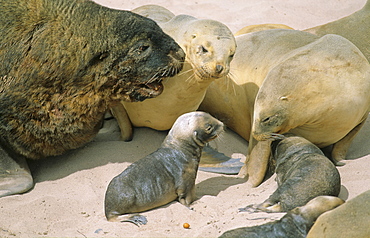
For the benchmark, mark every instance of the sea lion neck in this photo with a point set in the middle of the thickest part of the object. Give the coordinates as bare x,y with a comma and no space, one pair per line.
187,146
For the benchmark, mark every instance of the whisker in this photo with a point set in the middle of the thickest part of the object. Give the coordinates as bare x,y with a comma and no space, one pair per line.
190,78
185,71
152,79
275,136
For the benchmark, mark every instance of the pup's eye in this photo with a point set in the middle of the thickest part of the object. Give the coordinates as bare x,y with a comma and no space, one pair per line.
208,128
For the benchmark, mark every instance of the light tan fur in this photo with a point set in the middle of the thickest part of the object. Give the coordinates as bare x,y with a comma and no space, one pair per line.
304,57
355,27
209,47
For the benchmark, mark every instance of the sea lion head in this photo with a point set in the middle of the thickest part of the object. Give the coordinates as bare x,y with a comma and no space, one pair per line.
270,117
140,56
210,46
80,47
195,128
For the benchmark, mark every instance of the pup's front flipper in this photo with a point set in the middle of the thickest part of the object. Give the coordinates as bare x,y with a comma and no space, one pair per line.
136,219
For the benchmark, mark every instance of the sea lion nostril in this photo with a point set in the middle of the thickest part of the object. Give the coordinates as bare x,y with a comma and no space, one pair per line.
219,68
178,54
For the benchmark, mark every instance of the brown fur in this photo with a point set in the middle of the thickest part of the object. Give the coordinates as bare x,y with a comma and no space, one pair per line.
64,61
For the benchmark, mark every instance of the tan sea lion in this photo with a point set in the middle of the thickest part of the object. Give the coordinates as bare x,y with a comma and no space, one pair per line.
209,47
355,214
302,173
295,224
63,63
260,27
232,99
320,92
165,175
157,13
261,53
355,27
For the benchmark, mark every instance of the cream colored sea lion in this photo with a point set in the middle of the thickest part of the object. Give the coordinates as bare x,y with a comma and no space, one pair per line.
295,224
231,99
260,55
303,172
355,27
165,175
260,27
355,214
157,13
209,47
63,63
320,92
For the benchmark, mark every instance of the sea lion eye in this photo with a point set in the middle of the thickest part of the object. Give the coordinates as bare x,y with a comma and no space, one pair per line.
142,48
208,128
266,119
232,55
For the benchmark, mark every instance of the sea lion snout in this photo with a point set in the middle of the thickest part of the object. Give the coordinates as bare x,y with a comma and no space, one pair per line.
178,54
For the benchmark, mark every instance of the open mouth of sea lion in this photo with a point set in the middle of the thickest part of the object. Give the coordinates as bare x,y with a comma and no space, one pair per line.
147,90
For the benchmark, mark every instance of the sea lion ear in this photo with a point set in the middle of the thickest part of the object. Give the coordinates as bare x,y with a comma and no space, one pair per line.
193,36
283,98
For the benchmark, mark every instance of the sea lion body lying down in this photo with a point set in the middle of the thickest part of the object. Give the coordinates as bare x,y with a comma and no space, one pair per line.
63,62
295,224
355,27
302,173
168,173
319,91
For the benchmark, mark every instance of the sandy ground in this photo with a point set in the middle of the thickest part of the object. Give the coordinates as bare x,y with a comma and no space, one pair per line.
68,198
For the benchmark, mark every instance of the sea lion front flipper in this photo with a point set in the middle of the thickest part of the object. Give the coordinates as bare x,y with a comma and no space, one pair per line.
136,219
15,176
256,165
119,112
217,162
341,147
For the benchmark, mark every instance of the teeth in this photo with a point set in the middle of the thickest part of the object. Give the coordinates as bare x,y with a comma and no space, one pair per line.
155,86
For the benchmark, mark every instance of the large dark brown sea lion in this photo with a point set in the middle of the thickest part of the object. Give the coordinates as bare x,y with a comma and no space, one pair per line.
63,62
168,173
302,173
295,224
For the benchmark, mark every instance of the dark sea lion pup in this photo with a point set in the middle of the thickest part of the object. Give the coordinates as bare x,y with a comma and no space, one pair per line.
63,63
295,224
165,175
302,173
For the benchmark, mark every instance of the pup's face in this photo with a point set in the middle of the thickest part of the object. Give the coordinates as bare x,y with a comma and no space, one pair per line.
198,127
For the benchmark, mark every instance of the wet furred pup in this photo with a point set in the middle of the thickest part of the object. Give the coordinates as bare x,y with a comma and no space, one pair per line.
302,173
168,173
63,62
295,224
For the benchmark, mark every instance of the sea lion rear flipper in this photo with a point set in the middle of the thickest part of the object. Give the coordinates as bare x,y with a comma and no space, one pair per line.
341,147
216,162
15,176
